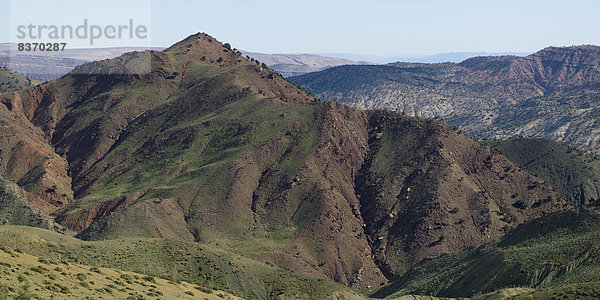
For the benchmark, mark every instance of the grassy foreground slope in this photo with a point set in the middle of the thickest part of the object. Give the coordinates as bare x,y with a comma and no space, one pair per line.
23,276
572,173
176,260
559,249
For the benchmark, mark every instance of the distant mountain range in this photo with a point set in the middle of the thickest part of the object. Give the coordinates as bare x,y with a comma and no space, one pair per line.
454,57
552,93
290,65
46,66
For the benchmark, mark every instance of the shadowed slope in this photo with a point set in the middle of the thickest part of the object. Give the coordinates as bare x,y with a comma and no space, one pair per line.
572,173
558,249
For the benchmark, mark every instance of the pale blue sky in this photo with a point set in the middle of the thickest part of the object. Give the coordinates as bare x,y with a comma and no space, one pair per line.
377,27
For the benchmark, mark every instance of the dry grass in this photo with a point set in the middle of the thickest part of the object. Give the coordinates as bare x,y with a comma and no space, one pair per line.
38,278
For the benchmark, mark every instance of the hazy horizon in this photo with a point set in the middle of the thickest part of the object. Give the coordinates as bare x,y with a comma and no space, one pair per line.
383,28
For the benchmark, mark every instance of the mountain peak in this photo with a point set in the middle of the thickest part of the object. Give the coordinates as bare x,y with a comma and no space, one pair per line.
202,47
197,49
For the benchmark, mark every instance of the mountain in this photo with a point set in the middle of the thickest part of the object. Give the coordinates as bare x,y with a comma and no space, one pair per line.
559,249
551,94
298,64
210,147
454,57
12,81
574,175
46,66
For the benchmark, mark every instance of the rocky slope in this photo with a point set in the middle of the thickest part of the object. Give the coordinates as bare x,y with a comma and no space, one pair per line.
549,94
208,146
27,159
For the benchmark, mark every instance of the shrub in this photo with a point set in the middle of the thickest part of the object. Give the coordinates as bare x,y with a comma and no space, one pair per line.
24,293
3,292
81,276
520,204
203,289
38,269
126,277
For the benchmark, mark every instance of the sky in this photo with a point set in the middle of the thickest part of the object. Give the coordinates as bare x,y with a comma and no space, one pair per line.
374,27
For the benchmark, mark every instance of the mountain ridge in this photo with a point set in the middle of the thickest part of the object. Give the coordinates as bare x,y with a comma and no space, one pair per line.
487,97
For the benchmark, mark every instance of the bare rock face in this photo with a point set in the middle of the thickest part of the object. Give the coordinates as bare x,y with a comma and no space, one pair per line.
27,159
